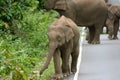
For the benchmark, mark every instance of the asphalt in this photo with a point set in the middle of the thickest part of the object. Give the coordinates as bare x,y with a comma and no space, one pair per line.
99,62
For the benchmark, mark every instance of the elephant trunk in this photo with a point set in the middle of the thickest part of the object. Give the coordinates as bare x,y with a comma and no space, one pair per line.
49,5
52,48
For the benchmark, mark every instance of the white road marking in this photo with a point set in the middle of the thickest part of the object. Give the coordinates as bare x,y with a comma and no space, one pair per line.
80,55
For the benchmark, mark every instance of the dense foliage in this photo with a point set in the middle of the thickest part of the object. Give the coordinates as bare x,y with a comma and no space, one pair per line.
41,4
23,39
11,12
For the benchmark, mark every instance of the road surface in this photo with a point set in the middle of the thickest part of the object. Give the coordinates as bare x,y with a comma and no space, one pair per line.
99,62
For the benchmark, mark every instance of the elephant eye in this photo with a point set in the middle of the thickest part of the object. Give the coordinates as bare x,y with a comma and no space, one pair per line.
59,38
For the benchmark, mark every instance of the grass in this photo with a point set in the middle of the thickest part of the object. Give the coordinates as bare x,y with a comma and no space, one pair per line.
22,55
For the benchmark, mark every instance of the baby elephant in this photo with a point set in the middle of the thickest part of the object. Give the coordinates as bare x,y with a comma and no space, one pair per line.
63,37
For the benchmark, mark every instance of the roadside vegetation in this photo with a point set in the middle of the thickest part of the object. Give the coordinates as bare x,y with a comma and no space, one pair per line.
23,39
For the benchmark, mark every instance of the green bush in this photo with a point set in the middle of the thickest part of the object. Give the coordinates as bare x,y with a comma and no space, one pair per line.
22,55
12,13
41,4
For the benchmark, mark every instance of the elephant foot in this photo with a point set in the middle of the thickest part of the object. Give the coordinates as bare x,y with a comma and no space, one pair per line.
89,41
115,38
57,77
66,74
110,37
86,38
95,42
73,71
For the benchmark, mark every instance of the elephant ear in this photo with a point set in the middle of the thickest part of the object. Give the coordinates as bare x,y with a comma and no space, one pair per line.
61,5
110,15
115,10
69,33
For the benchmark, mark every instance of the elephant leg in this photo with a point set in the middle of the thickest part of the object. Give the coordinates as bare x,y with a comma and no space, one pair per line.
56,59
87,35
116,29
65,64
91,34
110,32
107,30
74,56
110,27
97,31
66,57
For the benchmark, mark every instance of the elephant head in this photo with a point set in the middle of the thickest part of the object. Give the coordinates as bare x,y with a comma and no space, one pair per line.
56,4
114,9
59,33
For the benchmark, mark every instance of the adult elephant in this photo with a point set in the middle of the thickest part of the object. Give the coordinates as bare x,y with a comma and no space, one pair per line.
90,13
112,22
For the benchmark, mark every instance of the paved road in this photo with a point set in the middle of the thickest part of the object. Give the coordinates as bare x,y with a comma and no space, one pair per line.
100,62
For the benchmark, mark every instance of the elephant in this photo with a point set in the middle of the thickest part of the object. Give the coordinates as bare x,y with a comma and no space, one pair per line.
112,22
63,36
106,1
87,13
